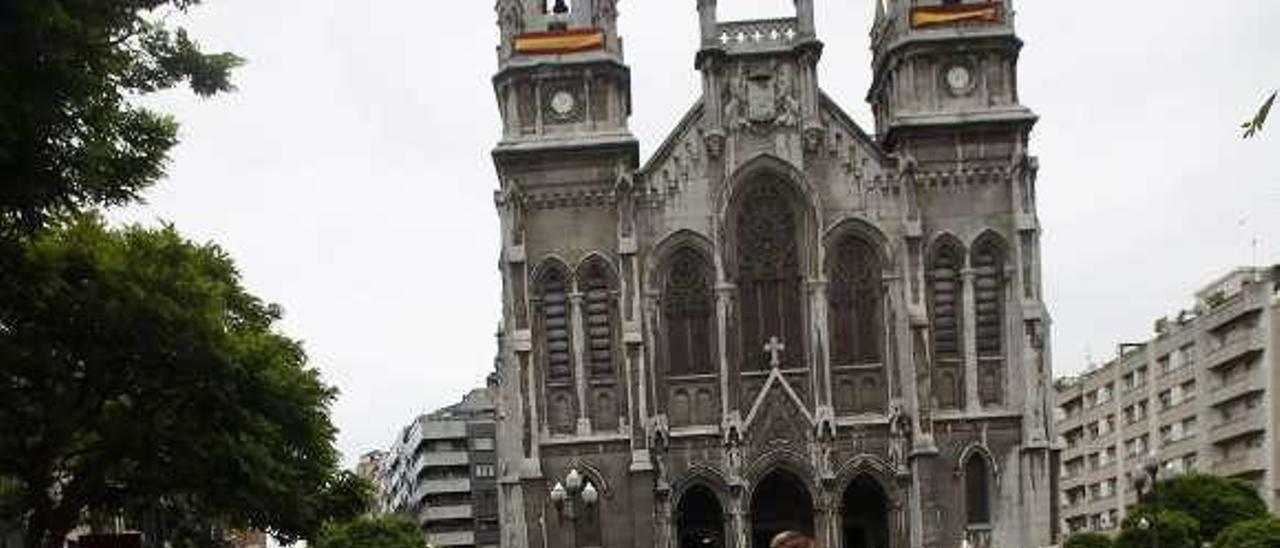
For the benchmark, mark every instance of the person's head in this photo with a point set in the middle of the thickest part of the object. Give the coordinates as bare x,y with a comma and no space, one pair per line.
792,539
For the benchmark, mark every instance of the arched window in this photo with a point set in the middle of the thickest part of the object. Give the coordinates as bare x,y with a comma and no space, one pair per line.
557,346
688,310
770,296
596,283
855,302
977,490
988,261
988,297
946,313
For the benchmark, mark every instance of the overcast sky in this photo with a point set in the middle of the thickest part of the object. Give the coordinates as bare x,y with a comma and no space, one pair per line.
350,174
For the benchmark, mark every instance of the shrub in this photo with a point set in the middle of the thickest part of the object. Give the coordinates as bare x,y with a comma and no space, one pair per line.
1089,540
1254,533
1175,530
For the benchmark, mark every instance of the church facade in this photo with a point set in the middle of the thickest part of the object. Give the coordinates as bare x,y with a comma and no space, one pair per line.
778,321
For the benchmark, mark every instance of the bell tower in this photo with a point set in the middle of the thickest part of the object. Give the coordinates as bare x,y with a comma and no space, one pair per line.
944,67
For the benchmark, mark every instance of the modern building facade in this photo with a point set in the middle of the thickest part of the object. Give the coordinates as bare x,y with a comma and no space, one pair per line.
779,321
1199,396
441,473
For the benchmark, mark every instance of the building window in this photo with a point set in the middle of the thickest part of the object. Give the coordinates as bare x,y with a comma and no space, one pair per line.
988,293
688,309
856,300
596,284
769,281
484,470
977,491
555,323
946,310
482,444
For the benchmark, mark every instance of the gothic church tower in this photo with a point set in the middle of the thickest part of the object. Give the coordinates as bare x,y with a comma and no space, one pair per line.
779,321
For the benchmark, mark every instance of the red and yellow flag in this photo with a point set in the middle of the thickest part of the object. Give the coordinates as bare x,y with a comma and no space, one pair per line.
941,15
568,41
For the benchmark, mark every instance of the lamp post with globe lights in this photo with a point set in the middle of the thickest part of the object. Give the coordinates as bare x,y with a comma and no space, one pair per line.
1148,474
568,494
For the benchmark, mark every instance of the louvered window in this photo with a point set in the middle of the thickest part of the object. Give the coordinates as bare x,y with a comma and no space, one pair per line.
555,325
945,294
597,302
988,286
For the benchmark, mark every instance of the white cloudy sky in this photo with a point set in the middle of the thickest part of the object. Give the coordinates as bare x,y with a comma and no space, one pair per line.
351,180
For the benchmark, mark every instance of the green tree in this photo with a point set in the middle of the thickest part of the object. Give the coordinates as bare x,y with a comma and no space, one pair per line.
1215,502
1089,540
1175,530
69,137
1254,533
139,376
372,532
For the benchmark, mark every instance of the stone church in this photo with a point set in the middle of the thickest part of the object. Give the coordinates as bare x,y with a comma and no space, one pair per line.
779,320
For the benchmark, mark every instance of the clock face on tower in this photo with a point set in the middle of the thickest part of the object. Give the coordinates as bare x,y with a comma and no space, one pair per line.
959,79
562,103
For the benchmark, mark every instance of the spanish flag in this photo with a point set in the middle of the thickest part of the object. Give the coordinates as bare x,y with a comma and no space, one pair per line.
942,15
568,41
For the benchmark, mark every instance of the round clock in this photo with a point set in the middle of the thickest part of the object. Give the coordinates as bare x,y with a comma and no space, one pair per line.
958,78
562,103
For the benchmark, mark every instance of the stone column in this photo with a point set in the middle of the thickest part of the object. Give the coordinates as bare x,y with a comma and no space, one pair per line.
819,340
724,308
970,341
579,360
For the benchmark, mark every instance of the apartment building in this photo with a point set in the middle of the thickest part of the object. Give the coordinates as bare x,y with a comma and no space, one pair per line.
1199,395
440,472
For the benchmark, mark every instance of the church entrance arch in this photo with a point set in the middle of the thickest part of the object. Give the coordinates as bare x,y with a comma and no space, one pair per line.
700,521
779,503
865,515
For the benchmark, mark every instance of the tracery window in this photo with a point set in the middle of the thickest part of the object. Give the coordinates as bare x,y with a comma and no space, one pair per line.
596,284
855,302
977,490
947,311
769,282
688,309
557,345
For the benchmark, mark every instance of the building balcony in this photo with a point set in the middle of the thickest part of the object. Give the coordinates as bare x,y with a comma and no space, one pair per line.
453,538
438,486
437,513
444,458
1234,347
1254,460
1239,426
1247,383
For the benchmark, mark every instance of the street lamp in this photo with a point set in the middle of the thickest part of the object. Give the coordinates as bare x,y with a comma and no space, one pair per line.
567,494
1148,473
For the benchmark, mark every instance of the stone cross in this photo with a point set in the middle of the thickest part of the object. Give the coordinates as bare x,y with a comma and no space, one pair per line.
775,348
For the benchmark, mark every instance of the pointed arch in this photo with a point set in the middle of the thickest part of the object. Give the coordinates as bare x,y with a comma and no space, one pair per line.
688,313
977,480
552,287
945,283
768,255
855,266
989,263
597,283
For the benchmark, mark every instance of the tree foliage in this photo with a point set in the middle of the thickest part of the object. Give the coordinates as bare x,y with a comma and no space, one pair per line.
372,532
1089,540
1254,533
139,376
69,137
1215,502
1175,530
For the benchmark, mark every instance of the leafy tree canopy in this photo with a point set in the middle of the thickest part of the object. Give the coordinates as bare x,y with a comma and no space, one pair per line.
372,532
139,376
1254,533
1089,540
1175,530
1215,502
69,136
1259,120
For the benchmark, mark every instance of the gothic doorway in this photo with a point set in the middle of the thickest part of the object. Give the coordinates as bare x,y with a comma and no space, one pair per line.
865,519
780,503
700,519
